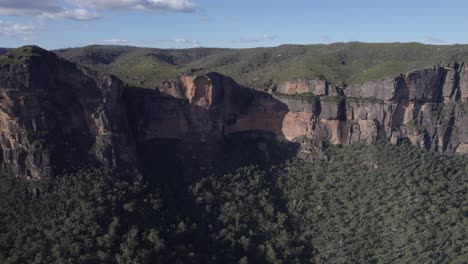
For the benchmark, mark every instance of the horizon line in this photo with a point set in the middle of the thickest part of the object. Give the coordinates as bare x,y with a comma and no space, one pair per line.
231,48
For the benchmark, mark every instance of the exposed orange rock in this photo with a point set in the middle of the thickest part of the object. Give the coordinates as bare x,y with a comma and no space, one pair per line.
54,112
462,148
393,109
317,87
297,124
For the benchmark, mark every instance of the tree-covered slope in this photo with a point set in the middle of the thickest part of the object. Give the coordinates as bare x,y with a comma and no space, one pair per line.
366,204
260,68
361,204
142,67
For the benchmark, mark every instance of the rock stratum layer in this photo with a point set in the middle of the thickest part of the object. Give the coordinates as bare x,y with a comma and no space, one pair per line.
55,114
426,107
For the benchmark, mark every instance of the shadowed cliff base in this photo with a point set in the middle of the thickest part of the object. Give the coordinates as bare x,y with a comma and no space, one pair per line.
180,141
232,126
261,148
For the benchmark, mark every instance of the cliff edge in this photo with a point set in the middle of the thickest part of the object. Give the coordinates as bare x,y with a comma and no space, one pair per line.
55,114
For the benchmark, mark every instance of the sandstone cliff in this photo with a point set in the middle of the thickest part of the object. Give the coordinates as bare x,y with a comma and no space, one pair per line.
426,107
55,114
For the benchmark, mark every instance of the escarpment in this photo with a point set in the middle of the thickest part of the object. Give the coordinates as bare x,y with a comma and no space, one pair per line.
425,107
55,114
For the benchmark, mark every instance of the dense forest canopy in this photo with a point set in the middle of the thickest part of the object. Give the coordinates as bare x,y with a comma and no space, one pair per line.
362,204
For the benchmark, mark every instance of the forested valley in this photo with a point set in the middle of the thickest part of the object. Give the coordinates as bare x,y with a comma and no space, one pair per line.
360,204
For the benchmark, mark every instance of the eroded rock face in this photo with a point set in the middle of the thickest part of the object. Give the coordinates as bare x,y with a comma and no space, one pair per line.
426,107
204,108
200,112
463,84
317,87
55,114
385,89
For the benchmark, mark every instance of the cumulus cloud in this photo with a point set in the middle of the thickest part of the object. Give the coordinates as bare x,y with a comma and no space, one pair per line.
266,37
43,9
11,29
86,9
76,14
144,5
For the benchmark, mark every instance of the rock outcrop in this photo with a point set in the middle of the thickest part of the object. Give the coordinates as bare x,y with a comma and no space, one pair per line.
55,114
425,107
200,112
316,87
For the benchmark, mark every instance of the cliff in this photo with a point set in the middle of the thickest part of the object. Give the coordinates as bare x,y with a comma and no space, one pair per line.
55,114
425,107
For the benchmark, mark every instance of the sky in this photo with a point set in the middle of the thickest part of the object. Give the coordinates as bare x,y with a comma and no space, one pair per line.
55,24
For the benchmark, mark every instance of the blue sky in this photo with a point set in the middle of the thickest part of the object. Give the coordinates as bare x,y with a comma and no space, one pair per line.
237,24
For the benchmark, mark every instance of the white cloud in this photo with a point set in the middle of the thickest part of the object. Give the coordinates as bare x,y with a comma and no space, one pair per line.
194,43
75,14
43,9
179,41
144,5
85,9
11,29
266,37
154,41
116,41
432,39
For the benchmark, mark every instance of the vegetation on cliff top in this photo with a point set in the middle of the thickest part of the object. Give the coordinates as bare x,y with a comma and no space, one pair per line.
259,68
20,54
365,204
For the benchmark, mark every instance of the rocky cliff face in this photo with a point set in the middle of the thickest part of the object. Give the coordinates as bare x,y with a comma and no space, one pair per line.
55,114
426,107
200,112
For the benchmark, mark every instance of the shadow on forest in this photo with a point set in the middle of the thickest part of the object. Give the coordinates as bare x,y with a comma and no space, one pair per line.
179,143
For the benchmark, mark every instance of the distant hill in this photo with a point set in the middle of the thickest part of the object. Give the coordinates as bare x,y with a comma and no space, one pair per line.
260,68
3,50
144,67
